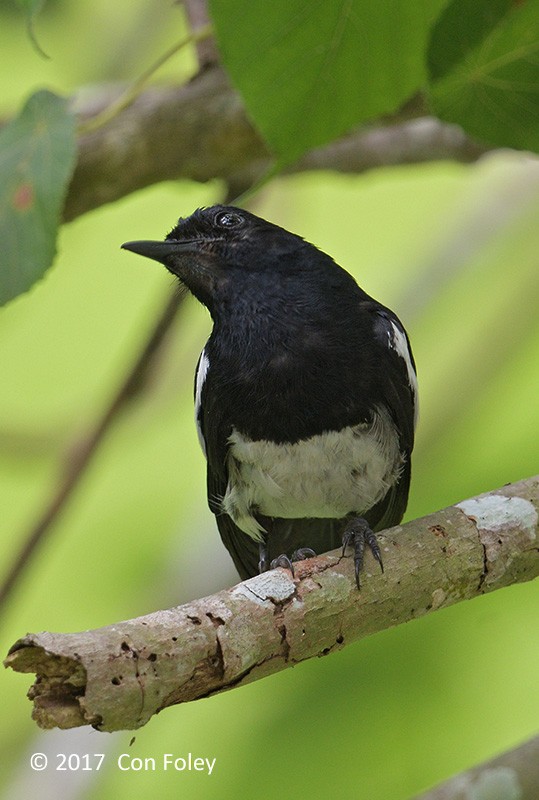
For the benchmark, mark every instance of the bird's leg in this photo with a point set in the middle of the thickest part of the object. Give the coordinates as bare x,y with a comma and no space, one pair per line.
282,560
262,556
358,533
263,559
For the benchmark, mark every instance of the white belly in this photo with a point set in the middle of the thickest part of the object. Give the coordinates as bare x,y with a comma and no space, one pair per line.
329,475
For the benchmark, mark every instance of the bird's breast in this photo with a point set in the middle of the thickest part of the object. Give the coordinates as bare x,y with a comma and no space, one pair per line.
329,475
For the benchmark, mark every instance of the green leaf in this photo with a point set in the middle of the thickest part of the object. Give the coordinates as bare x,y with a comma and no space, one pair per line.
484,62
460,27
309,71
37,155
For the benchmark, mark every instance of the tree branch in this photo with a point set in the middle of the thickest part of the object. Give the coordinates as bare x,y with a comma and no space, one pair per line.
117,677
198,18
200,131
514,774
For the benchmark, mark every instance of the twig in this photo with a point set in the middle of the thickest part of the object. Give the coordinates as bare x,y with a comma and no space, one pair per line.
81,455
132,92
198,18
117,677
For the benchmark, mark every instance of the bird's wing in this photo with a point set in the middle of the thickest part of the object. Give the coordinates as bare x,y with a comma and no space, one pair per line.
390,509
243,550
399,391
214,431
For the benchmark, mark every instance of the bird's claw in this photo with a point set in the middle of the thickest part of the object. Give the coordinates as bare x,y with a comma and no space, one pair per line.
282,561
357,534
302,553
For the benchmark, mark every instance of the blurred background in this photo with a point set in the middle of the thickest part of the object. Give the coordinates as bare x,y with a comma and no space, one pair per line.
454,250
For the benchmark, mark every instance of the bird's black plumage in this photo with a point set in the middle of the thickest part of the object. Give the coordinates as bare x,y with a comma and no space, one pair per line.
305,391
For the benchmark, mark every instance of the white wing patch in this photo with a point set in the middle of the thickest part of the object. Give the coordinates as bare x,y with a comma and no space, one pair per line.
326,476
200,377
397,341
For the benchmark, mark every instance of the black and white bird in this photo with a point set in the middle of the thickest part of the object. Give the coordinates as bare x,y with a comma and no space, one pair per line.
305,393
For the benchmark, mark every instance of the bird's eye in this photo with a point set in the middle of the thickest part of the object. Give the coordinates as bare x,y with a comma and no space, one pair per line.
227,219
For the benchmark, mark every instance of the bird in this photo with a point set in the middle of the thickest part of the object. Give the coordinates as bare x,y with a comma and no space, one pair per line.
305,393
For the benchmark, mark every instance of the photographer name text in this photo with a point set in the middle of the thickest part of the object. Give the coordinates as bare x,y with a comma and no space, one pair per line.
92,762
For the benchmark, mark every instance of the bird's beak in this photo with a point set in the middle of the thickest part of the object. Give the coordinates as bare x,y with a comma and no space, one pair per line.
160,251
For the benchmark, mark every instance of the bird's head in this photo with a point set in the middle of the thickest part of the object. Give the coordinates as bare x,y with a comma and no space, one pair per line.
221,249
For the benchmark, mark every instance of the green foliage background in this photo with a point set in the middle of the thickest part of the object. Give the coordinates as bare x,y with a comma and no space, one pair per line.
454,250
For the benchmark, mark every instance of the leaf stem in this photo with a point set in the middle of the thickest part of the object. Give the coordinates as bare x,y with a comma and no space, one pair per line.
133,91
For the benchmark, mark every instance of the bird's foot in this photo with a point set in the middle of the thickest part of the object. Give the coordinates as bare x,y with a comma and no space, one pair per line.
283,560
358,533
302,553
264,563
